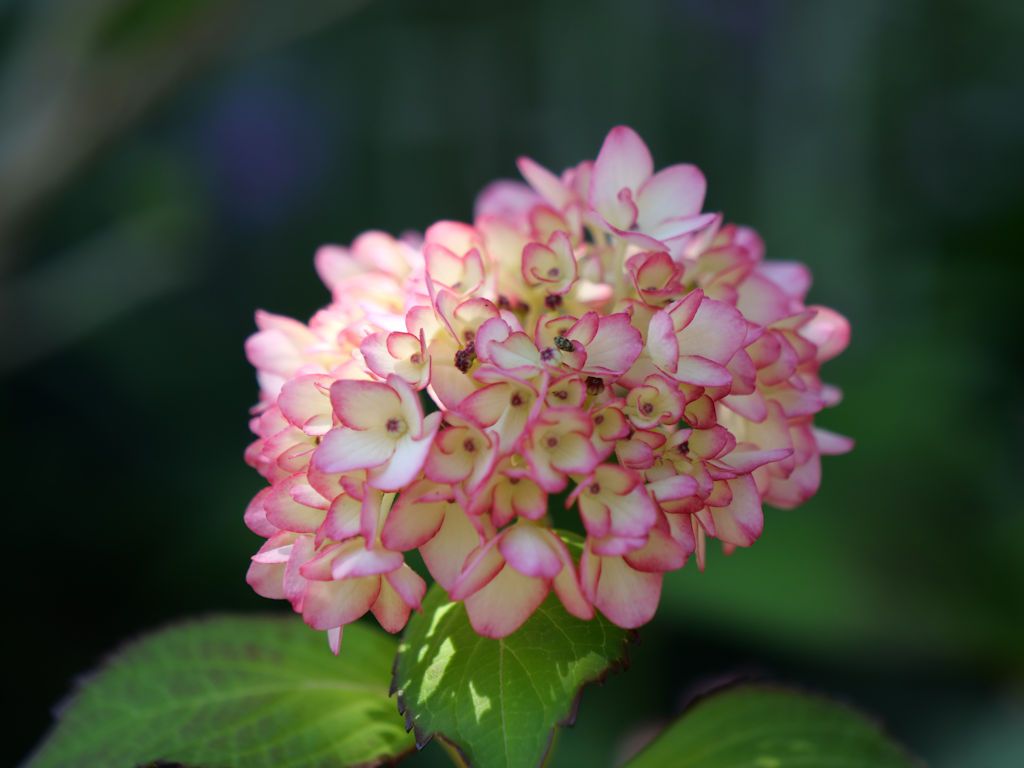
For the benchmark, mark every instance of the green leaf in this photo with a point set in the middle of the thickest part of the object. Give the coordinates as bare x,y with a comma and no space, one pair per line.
760,727
234,691
499,701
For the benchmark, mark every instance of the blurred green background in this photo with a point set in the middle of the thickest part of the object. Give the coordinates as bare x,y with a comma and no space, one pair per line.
166,167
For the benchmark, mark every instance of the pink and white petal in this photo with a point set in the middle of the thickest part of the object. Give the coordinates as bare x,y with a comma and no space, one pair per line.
624,162
334,639
672,488
547,185
831,443
529,550
304,401
343,518
363,405
411,407
660,554
255,517
486,405
505,199
671,193
828,331
480,567
716,332
505,603
748,460
567,587
632,515
329,604
364,562
445,553
295,583
408,585
390,610
575,454
408,459
266,580
343,449
627,597
411,523
284,512
742,521
701,372
615,346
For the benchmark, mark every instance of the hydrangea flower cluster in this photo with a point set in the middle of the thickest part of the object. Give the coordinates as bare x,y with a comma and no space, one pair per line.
592,344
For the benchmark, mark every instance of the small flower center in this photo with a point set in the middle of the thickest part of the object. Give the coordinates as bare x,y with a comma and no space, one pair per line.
465,357
561,394
553,272
599,419
552,301
595,386
646,408
684,447
551,442
595,488
547,354
394,425
469,445
416,358
515,401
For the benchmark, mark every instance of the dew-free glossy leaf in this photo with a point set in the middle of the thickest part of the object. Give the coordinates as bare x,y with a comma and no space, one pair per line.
761,727
228,692
499,701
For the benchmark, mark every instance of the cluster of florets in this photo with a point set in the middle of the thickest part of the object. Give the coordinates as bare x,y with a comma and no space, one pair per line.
592,345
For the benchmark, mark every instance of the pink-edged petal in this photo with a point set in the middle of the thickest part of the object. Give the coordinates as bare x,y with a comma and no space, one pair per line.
256,515
662,345
502,606
742,521
295,583
828,331
365,562
334,639
445,553
624,163
408,585
627,597
528,549
343,518
364,404
615,346
547,185
660,554
329,604
304,401
673,488
671,193
748,461
408,459
389,609
832,444
716,332
567,587
575,454
481,566
505,199
343,449
410,524
701,372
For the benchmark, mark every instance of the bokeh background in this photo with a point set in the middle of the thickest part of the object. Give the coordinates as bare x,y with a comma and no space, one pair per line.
168,166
